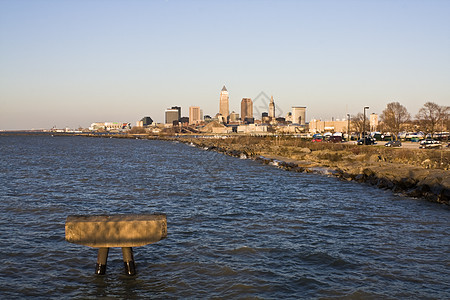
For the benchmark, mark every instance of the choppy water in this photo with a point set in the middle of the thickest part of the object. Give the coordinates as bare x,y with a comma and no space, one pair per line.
236,228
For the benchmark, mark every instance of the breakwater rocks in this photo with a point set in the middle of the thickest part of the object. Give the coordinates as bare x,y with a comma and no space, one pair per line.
430,184
433,186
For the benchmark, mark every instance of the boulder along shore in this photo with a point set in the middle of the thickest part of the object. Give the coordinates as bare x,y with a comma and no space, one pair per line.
417,173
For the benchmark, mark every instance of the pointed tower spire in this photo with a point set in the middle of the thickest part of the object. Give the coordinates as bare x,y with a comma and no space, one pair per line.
224,88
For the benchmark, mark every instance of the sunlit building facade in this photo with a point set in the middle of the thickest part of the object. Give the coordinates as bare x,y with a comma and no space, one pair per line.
246,109
195,115
224,106
299,115
271,108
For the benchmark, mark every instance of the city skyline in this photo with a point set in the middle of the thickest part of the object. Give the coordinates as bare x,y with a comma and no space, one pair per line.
72,63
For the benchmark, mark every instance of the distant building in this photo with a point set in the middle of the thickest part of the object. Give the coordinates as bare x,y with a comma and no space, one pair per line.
179,110
221,119
173,114
184,121
195,115
224,106
252,128
288,117
234,117
271,108
299,115
373,121
265,118
249,120
246,108
97,126
290,128
144,122
318,126
110,126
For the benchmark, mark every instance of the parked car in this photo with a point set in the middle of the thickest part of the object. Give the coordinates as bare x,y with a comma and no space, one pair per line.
441,136
429,143
378,136
366,141
414,136
335,139
317,138
393,144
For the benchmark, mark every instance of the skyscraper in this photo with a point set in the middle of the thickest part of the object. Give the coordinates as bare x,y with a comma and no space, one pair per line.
271,108
224,109
195,115
246,108
173,114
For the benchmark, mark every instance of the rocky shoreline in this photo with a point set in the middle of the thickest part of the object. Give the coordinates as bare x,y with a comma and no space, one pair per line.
417,182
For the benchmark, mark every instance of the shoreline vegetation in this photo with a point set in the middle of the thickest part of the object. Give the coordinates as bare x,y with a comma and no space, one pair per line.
417,173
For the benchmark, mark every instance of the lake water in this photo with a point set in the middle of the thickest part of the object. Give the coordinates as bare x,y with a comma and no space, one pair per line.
236,228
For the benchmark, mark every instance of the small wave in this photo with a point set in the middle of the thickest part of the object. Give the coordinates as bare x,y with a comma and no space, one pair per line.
326,259
227,271
275,163
322,170
243,250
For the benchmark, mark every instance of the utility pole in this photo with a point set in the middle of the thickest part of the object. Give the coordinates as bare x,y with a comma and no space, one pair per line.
348,127
364,124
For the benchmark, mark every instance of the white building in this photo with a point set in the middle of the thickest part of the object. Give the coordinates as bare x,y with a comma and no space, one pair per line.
109,126
299,115
252,128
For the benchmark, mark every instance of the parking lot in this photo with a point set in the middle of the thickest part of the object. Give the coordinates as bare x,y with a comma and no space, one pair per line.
407,145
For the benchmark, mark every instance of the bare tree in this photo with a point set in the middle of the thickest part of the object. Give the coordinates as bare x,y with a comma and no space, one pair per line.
357,122
446,120
431,115
394,116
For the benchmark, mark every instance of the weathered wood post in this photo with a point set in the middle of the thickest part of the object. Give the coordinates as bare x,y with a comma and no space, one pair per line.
125,231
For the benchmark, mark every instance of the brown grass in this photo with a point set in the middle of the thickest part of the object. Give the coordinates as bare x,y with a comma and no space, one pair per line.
292,147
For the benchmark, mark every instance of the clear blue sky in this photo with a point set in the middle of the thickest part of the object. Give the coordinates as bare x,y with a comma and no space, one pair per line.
71,63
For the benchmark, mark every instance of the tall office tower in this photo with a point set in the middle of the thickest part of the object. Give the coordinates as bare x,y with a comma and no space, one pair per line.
173,114
179,111
271,108
195,115
246,108
224,109
299,115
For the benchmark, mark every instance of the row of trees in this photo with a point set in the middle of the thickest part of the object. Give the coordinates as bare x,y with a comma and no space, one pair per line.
395,118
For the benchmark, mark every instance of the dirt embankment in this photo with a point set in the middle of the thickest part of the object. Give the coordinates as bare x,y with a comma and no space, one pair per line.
412,172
